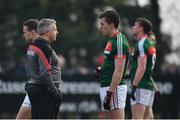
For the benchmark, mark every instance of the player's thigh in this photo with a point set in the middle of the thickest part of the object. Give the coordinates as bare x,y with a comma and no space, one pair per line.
148,113
138,111
25,110
118,100
144,97
24,113
116,114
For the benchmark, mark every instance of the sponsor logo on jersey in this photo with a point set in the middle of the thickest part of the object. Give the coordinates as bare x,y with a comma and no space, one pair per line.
108,48
30,53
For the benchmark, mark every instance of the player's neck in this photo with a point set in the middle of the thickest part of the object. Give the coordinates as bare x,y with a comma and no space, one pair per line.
113,33
35,36
140,36
45,37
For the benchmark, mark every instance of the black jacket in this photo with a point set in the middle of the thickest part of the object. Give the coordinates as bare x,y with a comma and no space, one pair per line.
43,65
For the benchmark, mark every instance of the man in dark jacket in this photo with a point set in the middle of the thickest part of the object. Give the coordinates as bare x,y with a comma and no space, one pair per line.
29,34
44,72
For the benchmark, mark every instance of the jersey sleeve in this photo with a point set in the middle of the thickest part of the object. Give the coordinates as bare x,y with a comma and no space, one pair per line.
142,48
151,48
120,49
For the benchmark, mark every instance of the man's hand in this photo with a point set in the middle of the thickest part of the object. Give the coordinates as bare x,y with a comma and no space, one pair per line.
58,99
158,96
132,92
57,95
26,87
97,72
107,100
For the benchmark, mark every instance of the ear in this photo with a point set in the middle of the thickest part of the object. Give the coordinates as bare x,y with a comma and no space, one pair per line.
112,25
47,32
33,31
141,28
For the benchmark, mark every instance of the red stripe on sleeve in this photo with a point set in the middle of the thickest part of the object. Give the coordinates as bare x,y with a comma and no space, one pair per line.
123,56
151,51
41,56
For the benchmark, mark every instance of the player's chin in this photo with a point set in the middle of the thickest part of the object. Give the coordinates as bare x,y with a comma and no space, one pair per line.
53,39
28,41
104,33
134,35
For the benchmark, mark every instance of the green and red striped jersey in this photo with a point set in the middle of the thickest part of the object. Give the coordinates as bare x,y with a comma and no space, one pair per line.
116,47
144,47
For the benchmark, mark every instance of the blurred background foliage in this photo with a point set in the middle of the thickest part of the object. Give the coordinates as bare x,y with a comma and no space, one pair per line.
79,39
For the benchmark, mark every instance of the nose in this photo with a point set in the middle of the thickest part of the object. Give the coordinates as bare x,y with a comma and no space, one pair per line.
100,27
23,35
133,27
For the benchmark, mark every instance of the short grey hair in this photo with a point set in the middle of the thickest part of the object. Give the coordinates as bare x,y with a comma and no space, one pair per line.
45,25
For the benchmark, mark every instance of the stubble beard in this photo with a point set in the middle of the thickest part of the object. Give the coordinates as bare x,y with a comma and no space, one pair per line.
134,35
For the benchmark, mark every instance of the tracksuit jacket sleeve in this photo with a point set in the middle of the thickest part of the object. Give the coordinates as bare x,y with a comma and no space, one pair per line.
45,73
39,64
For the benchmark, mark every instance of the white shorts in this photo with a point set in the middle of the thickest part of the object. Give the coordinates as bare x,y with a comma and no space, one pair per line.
144,97
119,98
26,102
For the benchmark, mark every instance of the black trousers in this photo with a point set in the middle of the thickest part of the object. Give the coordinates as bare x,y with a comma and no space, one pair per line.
43,104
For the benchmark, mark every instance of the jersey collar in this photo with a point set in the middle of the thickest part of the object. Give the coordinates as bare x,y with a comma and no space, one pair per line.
143,38
115,34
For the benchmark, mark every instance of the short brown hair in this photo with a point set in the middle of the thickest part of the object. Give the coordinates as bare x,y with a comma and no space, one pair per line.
111,17
31,24
145,23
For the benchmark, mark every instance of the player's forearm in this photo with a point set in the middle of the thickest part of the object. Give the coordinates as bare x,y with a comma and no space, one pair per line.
138,76
116,79
155,86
